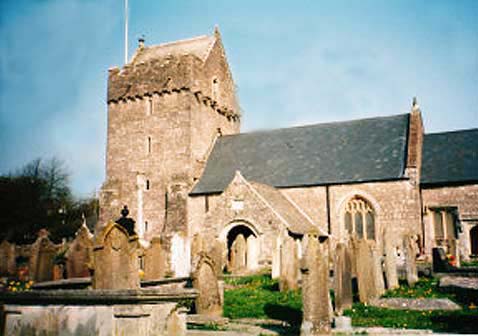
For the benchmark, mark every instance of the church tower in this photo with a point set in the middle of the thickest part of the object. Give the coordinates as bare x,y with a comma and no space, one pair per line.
166,108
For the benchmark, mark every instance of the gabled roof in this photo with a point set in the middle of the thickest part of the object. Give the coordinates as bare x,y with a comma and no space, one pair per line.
333,153
197,46
296,221
450,157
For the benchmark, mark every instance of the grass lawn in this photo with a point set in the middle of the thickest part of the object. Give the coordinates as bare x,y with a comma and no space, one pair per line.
258,296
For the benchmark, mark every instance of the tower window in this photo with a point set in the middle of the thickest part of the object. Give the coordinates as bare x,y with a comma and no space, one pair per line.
145,226
149,106
147,185
215,88
206,203
149,145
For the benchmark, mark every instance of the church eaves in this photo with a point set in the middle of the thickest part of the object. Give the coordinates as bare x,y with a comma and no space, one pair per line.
333,153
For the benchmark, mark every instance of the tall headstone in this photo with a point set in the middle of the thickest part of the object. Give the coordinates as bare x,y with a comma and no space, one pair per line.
378,271
368,272
390,265
116,259
43,252
238,254
154,260
315,287
79,257
289,267
342,278
205,280
410,251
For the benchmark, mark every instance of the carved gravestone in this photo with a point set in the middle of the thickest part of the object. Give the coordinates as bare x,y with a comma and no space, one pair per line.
80,254
342,278
238,254
289,266
368,271
315,287
216,249
410,251
116,259
7,258
390,266
43,252
204,279
154,260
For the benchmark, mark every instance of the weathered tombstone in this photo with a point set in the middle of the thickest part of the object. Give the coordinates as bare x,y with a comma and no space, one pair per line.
7,258
342,278
289,267
315,288
252,245
409,248
369,285
204,279
216,249
378,271
391,265
238,254
43,252
154,260
79,256
116,259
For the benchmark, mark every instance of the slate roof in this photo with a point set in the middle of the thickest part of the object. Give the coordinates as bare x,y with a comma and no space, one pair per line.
450,157
198,46
297,222
333,153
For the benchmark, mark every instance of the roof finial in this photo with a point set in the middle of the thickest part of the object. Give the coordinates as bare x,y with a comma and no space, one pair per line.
415,106
217,34
141,42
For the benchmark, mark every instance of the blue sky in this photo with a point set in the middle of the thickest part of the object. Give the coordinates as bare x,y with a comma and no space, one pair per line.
294,62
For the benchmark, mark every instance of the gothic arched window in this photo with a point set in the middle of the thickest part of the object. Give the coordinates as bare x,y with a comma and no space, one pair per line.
359,218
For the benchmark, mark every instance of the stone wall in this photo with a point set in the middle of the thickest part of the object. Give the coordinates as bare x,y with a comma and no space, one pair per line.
396,205
465,199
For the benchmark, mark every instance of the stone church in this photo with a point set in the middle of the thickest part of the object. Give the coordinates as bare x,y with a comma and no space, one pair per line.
175,156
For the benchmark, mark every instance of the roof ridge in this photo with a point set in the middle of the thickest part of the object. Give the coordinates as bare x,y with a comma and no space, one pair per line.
454,131
317,124
166,44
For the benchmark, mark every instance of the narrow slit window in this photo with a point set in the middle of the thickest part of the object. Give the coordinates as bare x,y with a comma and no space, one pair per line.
149,145
206,203
145,226
149,106
147,185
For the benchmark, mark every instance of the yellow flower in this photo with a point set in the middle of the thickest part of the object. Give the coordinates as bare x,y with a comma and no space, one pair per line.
18,283
472,306
12,282
14,289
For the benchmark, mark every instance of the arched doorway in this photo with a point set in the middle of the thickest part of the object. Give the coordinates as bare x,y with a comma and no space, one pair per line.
242,249
474,240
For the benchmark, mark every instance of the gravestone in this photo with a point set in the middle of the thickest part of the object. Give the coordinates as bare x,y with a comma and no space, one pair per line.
391,266
378,270
368,270
238,254
7,258
154,260
342,278
43,252
79,257
204,279
410,251
116,259
315,287
289,266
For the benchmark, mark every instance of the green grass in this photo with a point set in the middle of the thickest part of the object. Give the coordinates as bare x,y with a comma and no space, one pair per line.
464,321
472,263
424,288
258,296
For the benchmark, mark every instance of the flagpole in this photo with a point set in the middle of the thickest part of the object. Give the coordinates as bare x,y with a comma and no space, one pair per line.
125,31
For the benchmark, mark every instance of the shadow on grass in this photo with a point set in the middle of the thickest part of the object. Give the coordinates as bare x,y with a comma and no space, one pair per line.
456,322
287,314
